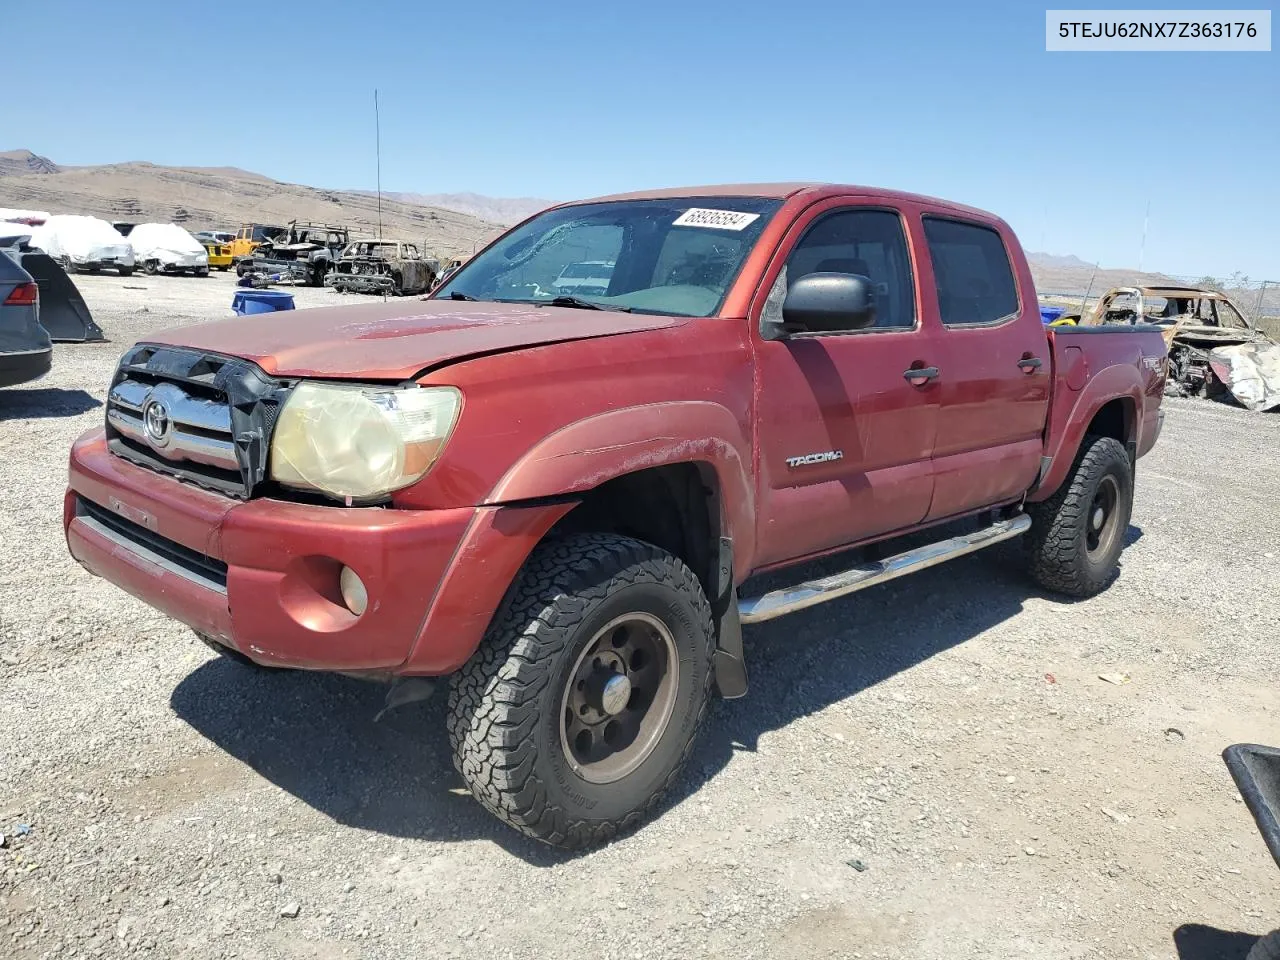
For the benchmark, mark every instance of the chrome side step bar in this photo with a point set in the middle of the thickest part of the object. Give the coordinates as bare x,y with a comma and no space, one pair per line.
778,603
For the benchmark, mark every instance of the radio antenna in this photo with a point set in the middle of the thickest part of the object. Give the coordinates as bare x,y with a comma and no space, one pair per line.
377,137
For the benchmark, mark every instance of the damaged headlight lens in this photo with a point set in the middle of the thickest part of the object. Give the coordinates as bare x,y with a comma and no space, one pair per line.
360,443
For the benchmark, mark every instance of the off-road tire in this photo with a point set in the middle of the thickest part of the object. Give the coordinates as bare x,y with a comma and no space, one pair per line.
505,704
1057,542
1267,948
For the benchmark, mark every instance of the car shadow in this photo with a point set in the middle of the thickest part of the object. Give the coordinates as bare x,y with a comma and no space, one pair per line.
41,403
1195,941
313,735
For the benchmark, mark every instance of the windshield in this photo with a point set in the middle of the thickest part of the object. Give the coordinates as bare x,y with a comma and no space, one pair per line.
674,256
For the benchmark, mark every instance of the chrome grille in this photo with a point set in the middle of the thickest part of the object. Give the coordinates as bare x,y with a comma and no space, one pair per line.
202,417
176,425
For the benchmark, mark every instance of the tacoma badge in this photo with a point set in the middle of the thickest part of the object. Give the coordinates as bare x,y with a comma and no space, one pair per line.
811,458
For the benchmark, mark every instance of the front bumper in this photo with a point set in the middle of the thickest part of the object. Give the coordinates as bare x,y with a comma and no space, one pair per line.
261,575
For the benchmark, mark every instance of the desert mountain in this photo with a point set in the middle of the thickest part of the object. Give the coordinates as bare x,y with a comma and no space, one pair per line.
223,197
504,210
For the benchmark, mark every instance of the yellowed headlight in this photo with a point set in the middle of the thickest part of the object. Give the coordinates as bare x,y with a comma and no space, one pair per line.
360,443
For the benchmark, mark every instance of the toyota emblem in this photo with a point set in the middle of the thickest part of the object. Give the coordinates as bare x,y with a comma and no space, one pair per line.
156,421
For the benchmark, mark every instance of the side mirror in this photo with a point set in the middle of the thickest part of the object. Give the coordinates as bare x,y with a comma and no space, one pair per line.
828,303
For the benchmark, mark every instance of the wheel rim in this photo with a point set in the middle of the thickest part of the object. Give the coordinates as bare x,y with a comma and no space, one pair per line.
1102,520
619,698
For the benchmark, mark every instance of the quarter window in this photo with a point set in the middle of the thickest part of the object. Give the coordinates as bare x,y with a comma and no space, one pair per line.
869,243
971,269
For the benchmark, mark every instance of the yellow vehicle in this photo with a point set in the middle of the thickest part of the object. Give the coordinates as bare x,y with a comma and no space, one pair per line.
250,236
220,257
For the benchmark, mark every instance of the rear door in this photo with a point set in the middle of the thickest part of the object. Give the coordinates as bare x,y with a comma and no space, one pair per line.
844,438
994,367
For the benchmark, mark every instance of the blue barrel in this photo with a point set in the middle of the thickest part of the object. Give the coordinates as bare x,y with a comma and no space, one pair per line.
260,301
1050,314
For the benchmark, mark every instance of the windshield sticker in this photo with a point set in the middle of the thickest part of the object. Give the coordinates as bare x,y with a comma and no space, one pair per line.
715,219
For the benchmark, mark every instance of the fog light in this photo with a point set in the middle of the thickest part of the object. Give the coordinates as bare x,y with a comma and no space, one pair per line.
354,595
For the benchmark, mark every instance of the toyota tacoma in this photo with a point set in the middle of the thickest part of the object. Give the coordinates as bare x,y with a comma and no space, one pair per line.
555,499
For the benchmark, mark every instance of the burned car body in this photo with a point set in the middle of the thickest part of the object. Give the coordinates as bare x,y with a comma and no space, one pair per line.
1213,346
303,253
383,266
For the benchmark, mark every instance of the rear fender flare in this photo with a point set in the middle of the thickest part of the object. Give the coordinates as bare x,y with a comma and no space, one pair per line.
1111,383
584,454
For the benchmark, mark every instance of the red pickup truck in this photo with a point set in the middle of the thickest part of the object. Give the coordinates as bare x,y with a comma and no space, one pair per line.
555,494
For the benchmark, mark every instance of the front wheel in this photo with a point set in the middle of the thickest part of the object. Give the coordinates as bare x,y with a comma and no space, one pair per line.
582,702
125,271
1077,534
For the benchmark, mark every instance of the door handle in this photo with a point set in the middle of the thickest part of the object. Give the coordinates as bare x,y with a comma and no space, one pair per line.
918,376
1029,364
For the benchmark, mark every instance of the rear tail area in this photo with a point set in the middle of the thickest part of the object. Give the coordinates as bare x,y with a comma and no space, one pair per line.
63,311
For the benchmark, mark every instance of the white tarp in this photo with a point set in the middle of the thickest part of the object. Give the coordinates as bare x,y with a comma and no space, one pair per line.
20,216
82,240
1251,372
168,244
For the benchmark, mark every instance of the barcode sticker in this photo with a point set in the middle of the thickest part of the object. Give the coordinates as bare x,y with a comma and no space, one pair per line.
715,219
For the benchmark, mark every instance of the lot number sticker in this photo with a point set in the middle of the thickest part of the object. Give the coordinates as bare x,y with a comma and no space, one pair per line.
715,219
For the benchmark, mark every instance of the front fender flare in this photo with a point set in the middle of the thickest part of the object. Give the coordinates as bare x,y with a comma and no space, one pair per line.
591,451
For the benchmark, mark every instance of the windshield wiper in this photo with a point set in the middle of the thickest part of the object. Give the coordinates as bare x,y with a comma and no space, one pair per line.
455,295
564,300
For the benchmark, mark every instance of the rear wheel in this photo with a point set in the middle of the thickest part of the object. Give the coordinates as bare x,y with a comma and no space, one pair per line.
583,700
1077,534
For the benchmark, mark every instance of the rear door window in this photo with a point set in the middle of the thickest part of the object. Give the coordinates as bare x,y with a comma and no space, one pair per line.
972,271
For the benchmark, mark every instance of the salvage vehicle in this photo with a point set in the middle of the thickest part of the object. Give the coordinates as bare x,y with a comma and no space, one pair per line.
383,266
304,253
167,248
249,237
1213,347
26,353
218,254
558,500
63,313
84,243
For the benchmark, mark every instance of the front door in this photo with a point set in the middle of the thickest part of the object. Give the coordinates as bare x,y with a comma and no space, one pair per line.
845,438
994,383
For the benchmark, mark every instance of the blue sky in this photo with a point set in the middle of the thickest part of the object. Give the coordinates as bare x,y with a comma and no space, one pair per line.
567,99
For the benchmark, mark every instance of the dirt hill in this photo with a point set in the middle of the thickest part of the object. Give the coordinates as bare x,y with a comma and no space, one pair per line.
222,197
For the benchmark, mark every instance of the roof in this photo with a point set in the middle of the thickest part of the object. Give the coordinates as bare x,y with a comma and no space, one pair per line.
1174,291
782,191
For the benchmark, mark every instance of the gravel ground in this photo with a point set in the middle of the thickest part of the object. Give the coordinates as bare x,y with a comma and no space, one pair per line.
948,732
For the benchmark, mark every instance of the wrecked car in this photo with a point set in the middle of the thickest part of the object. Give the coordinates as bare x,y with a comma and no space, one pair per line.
383,266
247,239
1213,347
84,243
167,248
303,253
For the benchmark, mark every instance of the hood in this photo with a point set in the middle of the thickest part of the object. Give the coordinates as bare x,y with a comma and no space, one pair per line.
395,340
